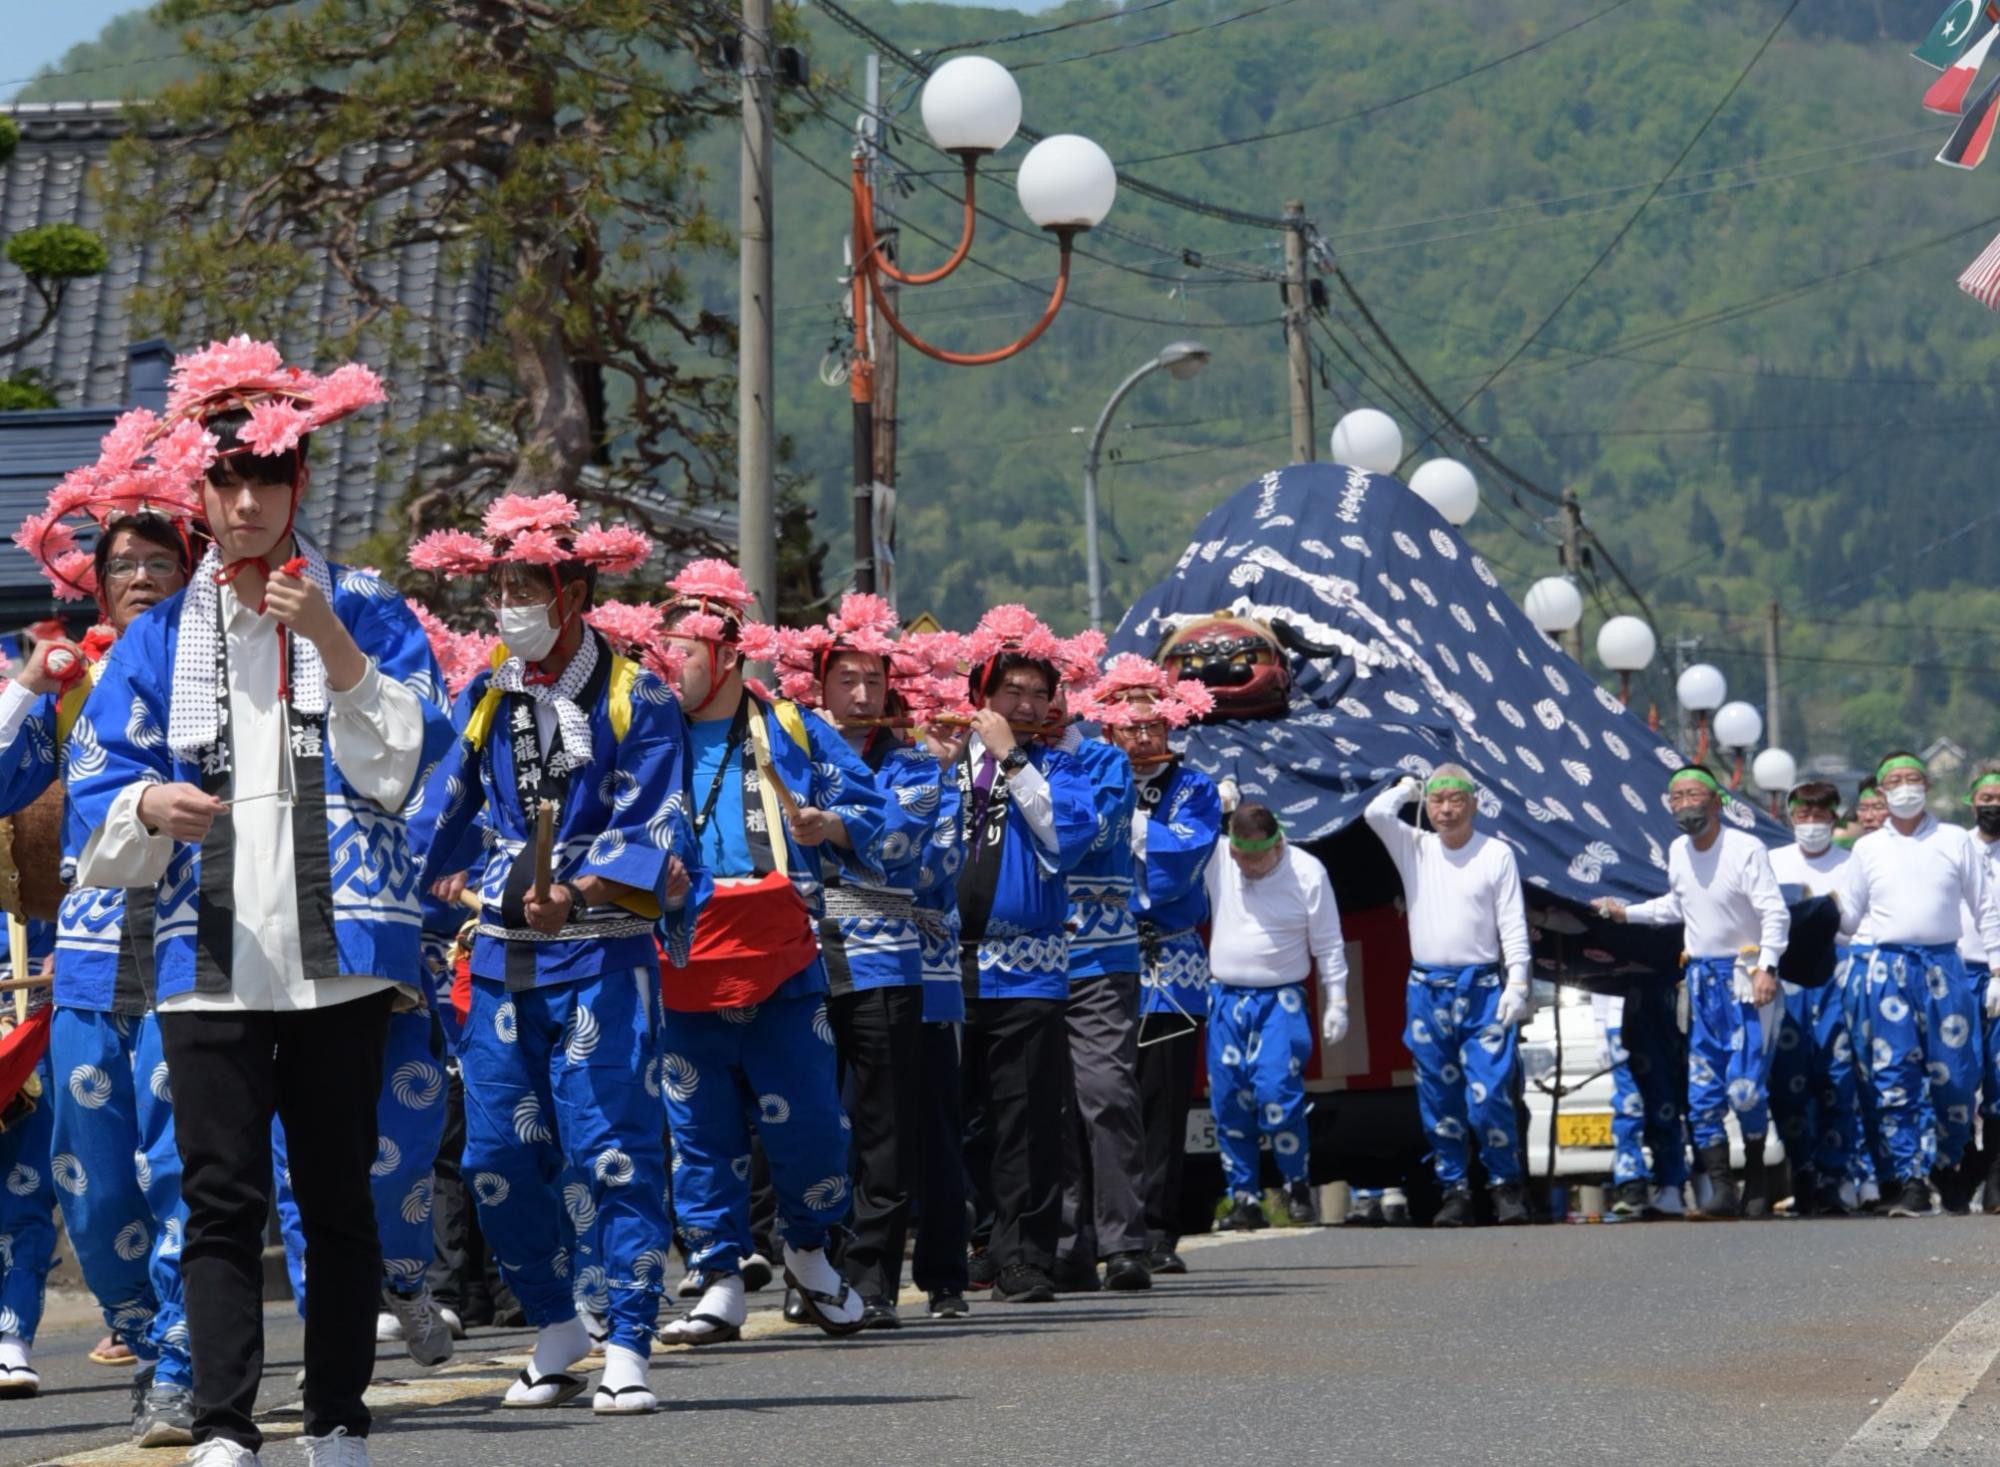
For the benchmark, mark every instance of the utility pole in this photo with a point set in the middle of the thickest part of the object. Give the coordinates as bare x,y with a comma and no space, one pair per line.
1296,325
883,342
756,430
1771,739
1572,562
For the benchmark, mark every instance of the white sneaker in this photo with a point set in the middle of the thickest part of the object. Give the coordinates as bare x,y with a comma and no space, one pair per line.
336,1449
1395,1207
388,1328
452,1322
426,1335
215,1452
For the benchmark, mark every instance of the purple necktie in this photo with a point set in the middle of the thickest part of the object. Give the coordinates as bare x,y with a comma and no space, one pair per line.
982,789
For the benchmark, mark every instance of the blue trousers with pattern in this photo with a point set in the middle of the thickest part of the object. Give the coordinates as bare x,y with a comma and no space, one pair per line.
113,1114
1867,1159
1259,1040
409,1120
773,1064
1468,1066
1989,1050
1923,1061
1648,1106
1730,1045
27,1214
1812,1081
567,1076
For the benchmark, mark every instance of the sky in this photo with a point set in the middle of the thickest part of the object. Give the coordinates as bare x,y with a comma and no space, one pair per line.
38,34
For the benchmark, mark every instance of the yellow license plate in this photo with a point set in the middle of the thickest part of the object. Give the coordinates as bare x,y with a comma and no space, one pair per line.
1589,1128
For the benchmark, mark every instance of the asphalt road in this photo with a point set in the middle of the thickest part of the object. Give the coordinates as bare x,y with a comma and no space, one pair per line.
1848,1342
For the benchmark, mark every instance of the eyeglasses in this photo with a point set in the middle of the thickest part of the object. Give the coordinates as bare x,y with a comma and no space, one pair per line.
495,600
156,567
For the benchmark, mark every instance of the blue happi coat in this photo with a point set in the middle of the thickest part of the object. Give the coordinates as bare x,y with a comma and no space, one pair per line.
827,775
873,933
1103,935
90,926
621,817
120,740
1024,950
1181,836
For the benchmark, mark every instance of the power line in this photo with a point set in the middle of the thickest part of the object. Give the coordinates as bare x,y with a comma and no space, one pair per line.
1155,40
1285,132
1048,30
1626,228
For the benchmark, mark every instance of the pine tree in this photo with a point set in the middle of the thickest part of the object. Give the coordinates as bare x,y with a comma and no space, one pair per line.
50,257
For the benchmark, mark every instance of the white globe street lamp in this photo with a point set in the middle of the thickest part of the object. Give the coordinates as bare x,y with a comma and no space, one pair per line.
1701,689
1774,772
1554,605
1449,488
1368,438
1066,182
1626,645
1738,726
971,105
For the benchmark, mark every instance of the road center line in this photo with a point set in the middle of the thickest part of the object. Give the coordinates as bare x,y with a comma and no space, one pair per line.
1910,1420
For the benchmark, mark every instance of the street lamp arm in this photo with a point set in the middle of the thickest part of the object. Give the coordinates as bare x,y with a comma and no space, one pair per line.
985,358
870,254
1104,418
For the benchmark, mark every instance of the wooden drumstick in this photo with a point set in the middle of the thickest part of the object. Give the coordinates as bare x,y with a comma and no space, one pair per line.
545,844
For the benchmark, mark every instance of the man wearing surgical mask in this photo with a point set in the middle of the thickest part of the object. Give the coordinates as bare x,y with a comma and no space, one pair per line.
1813,1076
1908,883
1720,888
1984,1165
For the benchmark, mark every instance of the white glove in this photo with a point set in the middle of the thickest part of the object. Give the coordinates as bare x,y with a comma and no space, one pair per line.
1333,1022
1516,1005
1993,997
1229,794
1408,788
1141,822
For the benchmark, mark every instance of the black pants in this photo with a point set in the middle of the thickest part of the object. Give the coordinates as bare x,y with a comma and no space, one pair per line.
879,1035
1166,1092
1104,1142
320,1072
1017,1052
937,1265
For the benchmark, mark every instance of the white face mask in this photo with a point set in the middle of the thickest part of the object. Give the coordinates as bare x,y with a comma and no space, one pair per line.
527,631
1906,800
1813,838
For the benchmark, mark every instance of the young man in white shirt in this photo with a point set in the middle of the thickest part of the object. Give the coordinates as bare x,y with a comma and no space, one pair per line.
1273,923
248,753
1721,890
1812,1093
1462,892
1907,885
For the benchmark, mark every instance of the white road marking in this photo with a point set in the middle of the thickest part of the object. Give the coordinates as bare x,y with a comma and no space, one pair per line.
1910,1420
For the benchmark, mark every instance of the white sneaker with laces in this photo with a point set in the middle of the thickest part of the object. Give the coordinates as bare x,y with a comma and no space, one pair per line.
336,1449
215,1452
422,1328
388,1328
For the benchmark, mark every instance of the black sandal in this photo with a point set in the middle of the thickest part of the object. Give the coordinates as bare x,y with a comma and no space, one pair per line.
568,1388
613,1409
723,1331
816,1304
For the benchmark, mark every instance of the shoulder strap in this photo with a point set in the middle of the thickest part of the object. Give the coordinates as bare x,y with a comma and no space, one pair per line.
69,707
794,722
618,698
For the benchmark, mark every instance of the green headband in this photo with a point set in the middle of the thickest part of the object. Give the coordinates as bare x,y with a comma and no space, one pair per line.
1442,782
1795,799
1901,761
1256,847
1991,776
1691,772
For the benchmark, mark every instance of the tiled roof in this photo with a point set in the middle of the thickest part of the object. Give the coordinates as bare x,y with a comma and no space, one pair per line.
83,356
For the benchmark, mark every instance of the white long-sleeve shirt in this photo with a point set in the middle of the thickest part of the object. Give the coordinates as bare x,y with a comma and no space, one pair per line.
1970,947
1028,792
1726,897
1909,889
1816,875
1268,931
1464,905
375,730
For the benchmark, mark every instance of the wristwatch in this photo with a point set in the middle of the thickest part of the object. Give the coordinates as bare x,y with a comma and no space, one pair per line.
1016,760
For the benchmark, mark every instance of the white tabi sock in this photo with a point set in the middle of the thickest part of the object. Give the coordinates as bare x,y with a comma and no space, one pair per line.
724,1299
623,1367
13,1352
559,1346
814,1270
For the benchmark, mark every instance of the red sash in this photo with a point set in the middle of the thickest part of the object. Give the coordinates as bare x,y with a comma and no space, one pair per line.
751,937
20,1051
461,987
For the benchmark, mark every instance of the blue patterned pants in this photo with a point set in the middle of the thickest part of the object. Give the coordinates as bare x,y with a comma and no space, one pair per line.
772,1064
569,1076
1259,1040
1730,1045
113,1116
27,1215
1648,1104
1468,1065
1867,1158
1923,1057
1812,1081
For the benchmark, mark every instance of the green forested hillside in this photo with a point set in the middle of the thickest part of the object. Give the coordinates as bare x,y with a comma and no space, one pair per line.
1770,388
